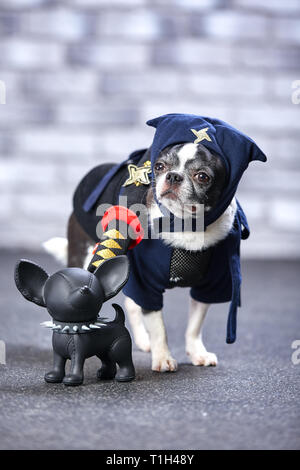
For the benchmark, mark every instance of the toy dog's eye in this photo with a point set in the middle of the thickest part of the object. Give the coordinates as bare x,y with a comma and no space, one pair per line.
159,166
203,177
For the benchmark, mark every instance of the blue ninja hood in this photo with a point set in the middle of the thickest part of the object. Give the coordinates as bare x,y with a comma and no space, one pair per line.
236,149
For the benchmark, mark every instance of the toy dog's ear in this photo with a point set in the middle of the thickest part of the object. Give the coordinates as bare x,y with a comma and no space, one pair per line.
113,275
30,279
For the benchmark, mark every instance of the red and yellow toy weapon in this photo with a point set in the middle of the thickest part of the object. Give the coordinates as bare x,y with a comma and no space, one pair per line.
122,231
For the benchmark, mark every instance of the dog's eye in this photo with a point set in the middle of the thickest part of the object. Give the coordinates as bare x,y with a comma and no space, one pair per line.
159,166
203,177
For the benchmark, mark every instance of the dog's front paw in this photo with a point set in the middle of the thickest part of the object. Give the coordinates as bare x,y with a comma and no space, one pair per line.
163,362
203,358
199,356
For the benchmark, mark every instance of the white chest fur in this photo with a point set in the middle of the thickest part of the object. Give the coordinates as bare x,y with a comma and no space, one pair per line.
195,241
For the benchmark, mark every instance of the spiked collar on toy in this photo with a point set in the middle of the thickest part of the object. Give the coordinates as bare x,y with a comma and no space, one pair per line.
74,328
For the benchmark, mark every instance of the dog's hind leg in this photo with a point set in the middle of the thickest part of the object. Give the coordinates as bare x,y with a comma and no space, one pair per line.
108,369
135,316
80,245
193,336
73,251
120,352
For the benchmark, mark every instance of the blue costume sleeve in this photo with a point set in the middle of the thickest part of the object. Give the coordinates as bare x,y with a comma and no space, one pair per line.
149,273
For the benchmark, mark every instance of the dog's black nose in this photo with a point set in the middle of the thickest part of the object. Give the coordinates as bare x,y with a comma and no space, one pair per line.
173,177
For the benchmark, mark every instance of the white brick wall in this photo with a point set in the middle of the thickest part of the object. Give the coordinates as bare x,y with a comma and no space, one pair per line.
59,24
80,85
83,76
109,55
139,25
271,6
29,54
231,24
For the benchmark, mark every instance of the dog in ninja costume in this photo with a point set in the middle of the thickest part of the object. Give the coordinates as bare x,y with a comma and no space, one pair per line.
73,298
193,161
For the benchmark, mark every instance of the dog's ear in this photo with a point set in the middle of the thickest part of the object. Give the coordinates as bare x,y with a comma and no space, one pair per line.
113,275
30,279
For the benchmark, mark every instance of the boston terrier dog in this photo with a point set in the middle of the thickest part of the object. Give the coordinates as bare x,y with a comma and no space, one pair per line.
194,161
73,298
185,175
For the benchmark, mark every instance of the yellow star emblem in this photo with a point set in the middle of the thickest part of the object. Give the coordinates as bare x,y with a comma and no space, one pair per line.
201,135
138,175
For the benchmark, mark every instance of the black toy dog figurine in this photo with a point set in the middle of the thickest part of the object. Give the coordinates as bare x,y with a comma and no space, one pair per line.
74,297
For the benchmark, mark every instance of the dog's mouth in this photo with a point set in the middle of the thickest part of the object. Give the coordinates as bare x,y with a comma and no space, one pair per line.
170,194
192,209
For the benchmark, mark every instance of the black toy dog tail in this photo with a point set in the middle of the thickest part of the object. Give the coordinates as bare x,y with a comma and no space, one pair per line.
120,316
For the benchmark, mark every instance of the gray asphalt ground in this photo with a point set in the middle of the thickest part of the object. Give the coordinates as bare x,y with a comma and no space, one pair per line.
251,400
